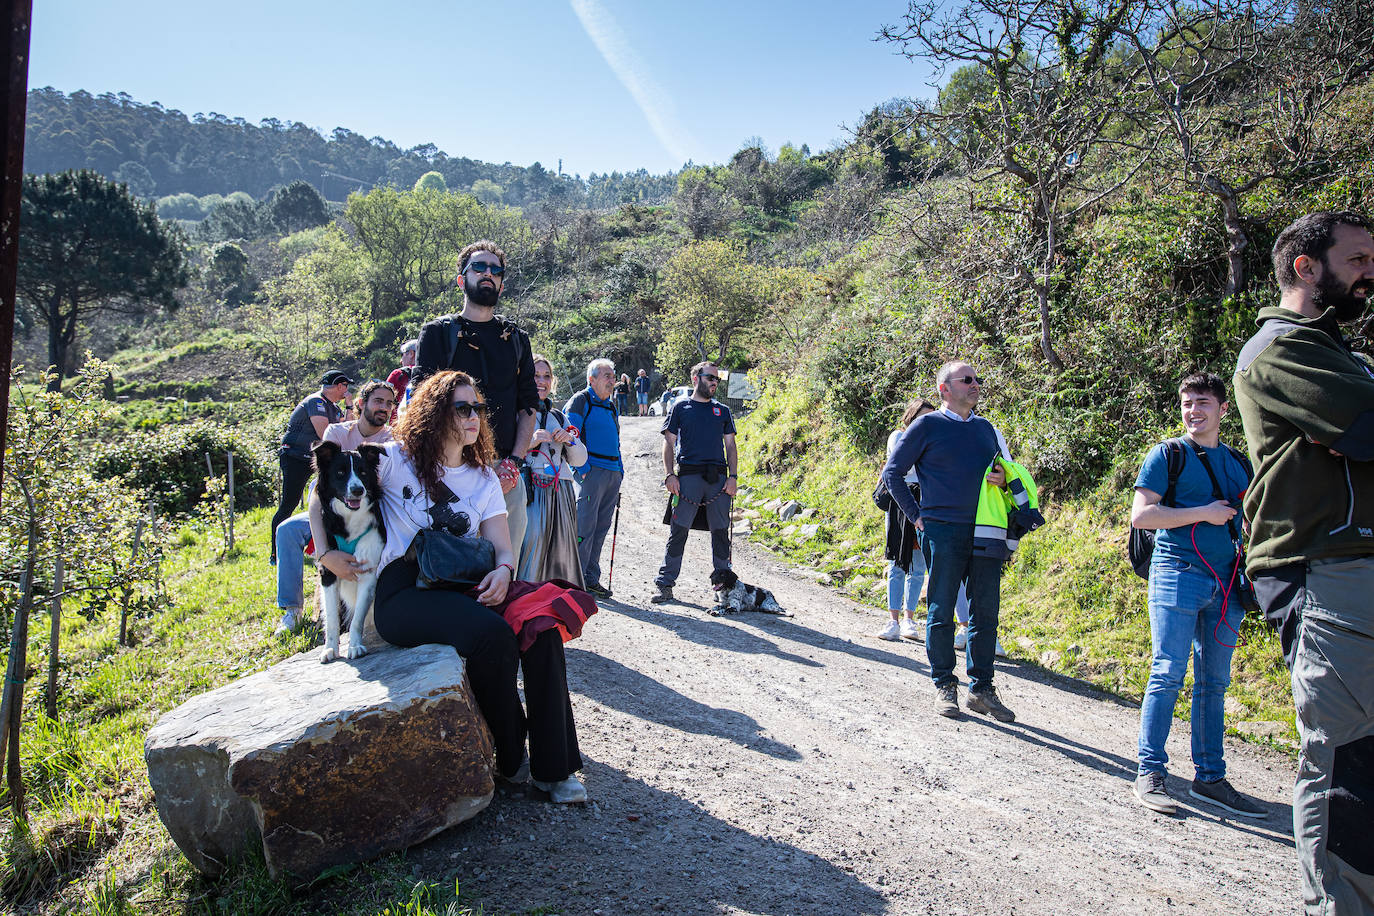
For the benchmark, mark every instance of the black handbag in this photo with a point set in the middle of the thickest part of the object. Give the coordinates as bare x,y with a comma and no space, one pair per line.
450,562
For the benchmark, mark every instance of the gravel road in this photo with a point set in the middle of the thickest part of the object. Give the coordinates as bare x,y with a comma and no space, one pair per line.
756,764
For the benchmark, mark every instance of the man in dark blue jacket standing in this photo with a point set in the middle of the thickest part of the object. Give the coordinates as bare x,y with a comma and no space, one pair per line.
699,434
951,450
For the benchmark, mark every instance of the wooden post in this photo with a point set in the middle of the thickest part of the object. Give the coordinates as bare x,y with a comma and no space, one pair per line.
209,468
231,502
54,636
14,19
124,610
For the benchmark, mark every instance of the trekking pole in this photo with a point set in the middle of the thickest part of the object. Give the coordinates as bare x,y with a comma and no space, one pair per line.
615,529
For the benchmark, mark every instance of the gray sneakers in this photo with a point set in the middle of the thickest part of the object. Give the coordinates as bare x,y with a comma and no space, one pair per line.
1150,791
1221,794
947,701
568,791
986,702
665,594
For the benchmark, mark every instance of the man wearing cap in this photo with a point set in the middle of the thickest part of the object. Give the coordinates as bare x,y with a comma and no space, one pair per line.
496,352
308,422
399,378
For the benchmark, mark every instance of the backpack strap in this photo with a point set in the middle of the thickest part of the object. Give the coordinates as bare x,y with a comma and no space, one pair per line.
1175,457
584,407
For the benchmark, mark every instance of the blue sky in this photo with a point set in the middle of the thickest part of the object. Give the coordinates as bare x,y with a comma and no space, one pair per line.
603,84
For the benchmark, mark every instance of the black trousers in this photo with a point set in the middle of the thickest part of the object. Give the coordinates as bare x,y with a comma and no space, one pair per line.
408,616
295,474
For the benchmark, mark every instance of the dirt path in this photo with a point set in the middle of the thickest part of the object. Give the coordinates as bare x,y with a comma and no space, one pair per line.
756,764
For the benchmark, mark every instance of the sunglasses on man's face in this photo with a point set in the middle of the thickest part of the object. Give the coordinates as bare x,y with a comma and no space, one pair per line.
966,379
709,378
466,409
486,267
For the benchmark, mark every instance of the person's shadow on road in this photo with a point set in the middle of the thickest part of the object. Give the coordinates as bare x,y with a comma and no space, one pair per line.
634,693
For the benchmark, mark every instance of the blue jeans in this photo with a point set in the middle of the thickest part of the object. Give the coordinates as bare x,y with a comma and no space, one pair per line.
904,587
1185,610
291,537
948,550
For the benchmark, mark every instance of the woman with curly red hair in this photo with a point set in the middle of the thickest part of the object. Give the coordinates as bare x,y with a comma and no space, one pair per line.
436,475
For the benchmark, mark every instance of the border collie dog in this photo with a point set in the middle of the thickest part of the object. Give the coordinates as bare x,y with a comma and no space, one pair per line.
733,596
350,500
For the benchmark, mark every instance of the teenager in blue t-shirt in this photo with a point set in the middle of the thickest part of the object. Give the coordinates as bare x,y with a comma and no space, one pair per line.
1194,610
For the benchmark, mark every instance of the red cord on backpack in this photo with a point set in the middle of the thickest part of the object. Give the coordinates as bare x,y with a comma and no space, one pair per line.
1225,592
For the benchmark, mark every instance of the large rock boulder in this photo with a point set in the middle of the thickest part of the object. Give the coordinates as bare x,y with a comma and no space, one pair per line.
323,764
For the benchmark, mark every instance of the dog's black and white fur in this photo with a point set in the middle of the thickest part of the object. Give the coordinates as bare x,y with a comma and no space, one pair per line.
350,500
733,596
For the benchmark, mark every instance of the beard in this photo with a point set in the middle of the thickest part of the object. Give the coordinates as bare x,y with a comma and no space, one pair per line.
704,390
1344,304
479,294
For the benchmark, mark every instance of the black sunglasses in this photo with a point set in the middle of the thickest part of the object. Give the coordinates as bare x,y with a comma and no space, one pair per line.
709,378
466,409
483,267
966,379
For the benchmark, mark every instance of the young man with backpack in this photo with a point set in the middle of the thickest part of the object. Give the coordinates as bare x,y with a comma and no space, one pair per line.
496,352
1189,490
593,412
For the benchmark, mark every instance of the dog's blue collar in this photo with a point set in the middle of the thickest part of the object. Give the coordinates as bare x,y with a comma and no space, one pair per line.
350,545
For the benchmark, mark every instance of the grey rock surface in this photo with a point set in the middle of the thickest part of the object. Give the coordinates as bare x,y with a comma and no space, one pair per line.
322,764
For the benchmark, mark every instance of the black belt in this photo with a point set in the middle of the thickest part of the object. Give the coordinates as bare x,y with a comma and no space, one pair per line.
711,473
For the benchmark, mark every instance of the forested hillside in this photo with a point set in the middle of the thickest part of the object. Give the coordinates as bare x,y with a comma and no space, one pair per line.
161,152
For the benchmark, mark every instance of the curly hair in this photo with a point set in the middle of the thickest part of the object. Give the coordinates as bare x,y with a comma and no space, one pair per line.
486,245
429,421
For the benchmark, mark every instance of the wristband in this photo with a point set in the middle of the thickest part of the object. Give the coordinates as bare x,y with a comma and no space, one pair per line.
665,480
508,566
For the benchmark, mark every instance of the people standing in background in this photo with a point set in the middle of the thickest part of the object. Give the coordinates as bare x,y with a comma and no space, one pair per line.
906,570
622,395
399,379
592,413
642,386
550,548
307,424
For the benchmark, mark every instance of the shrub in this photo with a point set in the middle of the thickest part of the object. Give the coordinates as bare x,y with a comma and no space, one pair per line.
169,464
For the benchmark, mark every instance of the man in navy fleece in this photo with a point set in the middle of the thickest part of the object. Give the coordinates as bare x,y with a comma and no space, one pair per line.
952,450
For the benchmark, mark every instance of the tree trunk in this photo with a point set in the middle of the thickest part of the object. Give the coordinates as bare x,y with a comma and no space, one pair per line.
1236,242
54,637
57,349
12,699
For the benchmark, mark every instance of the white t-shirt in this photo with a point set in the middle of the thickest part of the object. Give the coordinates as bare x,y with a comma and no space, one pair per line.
406,508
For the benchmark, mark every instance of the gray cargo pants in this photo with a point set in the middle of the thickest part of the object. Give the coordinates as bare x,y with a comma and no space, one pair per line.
1332,666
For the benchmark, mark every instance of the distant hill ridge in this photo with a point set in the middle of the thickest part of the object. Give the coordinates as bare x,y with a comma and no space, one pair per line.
161,151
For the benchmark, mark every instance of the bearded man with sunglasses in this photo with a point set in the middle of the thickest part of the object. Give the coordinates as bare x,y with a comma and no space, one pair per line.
952,450
497,354
699,435
1307,404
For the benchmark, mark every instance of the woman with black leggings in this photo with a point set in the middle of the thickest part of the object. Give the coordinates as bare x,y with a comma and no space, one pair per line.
436,474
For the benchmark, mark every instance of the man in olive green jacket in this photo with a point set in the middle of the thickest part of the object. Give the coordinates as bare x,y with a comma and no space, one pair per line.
1307,404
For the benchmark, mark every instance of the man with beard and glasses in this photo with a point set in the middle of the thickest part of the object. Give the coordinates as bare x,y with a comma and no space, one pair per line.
1307,403
496,352
376,401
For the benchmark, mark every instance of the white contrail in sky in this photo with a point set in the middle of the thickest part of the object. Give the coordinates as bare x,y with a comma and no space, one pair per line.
634,75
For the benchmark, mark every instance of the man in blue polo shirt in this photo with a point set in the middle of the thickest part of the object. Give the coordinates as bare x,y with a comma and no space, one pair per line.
593,412
952,450
700,434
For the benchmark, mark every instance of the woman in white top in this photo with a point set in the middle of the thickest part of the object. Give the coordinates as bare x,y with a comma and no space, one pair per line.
550,548
907,570
436,474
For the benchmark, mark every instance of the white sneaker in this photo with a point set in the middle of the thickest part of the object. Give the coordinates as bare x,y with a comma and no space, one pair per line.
961,638
892,632
1001,653
568,791
290,621
909,629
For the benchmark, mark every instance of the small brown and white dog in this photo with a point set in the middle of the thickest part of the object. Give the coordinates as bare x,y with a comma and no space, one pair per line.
350,501
733,596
